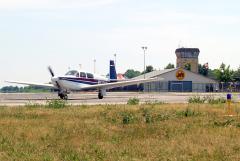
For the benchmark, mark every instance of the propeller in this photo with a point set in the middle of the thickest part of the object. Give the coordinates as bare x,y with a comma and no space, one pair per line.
61,93
51,71
52,74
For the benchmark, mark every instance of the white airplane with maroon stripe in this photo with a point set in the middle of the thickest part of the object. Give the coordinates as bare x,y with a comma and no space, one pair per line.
75,80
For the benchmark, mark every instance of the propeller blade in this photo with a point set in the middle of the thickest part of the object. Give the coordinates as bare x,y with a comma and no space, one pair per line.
51,71
59,87
52,74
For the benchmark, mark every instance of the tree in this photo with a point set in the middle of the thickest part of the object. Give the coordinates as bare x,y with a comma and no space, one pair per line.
169,66
9,89
203,69
212,74
236,74
187,66
224,74
27,89
130,73
149,69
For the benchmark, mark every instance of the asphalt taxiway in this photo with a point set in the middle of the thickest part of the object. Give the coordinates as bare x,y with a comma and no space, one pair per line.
90,98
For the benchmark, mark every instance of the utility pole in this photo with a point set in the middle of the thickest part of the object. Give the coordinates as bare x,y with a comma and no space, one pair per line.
144,53
94,65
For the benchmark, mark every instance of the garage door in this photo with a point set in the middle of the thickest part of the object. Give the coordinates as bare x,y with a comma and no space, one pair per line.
180,86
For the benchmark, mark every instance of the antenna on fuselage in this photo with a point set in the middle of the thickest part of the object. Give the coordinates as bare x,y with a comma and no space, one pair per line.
80,66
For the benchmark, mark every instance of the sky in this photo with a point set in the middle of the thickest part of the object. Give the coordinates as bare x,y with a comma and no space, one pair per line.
65,33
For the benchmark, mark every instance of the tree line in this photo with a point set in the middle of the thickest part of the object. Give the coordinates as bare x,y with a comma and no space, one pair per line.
27,89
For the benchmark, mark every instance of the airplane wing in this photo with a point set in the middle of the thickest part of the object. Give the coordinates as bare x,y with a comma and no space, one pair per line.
120,84
33,84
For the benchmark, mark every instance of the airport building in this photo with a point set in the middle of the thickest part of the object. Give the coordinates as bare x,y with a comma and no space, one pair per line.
184,78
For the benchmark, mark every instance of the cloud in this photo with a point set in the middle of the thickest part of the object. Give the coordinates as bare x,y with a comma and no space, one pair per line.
52,4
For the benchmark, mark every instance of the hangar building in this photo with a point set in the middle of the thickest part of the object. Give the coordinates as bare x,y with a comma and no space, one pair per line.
178,80
184,78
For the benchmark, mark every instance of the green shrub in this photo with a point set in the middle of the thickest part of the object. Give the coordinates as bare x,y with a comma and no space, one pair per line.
154,102
187,113
147,116
69,154
133,101
127,118
212,100
162,117
32,105
56,104
196,99
206,99
47,157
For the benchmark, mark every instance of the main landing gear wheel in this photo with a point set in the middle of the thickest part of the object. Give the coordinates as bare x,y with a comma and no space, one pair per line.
63,96
100,95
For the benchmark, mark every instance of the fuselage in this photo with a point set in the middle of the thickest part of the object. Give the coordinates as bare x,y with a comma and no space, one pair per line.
76,80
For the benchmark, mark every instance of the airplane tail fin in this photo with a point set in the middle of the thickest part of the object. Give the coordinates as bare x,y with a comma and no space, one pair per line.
112,72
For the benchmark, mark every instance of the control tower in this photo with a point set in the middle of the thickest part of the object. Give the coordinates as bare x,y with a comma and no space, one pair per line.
188,58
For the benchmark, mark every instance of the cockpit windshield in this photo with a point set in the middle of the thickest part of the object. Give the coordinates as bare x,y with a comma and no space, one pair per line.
73,73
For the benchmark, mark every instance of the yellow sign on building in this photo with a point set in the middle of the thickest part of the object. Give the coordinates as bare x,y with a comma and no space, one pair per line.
180,74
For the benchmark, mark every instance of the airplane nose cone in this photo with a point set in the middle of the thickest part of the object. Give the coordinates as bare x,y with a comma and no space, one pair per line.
54,79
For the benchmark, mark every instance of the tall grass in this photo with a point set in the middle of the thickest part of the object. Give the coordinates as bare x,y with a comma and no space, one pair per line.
120,132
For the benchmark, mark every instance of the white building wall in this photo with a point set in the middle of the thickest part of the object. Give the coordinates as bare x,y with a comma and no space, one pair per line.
189,76
199,82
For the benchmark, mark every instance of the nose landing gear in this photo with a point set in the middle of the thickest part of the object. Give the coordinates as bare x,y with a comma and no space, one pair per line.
63,95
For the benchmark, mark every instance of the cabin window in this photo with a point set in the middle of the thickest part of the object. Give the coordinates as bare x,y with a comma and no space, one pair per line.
82,74
73,73
89,75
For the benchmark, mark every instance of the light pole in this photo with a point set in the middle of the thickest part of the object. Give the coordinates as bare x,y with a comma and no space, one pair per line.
94,65
144,52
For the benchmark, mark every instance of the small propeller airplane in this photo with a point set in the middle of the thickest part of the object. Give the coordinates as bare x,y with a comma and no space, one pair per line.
75,80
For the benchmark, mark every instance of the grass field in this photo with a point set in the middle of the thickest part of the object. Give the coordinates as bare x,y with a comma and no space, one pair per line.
120,132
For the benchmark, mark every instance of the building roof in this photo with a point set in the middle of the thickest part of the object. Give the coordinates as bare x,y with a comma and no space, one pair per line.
161,72
154,73
187,50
